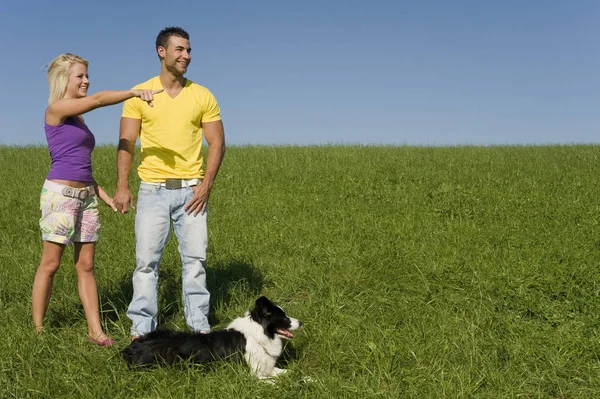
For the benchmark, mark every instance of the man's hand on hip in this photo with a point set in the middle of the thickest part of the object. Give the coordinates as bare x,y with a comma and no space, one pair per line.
199,201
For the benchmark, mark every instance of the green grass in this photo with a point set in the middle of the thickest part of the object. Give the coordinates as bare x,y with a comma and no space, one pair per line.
459,272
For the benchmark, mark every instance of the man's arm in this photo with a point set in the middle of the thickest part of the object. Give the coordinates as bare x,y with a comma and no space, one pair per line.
214,134
129,133
215,137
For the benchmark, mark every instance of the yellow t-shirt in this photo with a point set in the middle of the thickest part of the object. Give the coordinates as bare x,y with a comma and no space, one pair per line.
171,131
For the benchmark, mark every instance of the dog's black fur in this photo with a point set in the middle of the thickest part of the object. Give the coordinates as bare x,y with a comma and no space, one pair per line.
173,346
256,337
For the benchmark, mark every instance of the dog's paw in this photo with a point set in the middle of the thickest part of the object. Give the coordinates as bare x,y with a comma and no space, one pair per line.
277,371
270,378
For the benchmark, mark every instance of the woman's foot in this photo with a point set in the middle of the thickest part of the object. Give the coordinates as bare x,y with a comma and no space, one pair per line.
101,340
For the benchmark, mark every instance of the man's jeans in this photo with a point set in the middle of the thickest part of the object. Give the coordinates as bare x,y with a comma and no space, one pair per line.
156,206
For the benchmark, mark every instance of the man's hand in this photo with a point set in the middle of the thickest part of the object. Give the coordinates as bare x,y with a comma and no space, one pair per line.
123,200
199,201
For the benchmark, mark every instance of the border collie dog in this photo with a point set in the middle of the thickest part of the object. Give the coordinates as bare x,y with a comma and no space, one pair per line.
257,337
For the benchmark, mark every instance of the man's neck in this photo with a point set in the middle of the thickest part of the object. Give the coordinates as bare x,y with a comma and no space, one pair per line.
171,82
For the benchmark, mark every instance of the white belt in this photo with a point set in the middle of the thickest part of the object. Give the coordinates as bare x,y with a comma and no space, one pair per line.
173,184
67,191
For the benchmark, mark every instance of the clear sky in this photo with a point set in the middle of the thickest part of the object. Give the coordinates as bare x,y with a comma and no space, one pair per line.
328,72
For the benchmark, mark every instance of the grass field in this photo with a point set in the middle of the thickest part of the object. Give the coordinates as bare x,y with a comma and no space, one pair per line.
459,272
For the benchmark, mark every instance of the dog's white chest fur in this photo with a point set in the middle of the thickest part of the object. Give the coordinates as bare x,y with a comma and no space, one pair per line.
261,351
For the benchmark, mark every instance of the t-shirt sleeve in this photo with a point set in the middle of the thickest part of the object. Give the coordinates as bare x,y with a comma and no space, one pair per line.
131,108
212,112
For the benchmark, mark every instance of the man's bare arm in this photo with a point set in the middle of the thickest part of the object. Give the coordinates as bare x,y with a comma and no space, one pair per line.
129,133
215,137
214,133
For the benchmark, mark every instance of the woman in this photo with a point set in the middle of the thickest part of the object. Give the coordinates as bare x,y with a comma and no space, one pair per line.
69,204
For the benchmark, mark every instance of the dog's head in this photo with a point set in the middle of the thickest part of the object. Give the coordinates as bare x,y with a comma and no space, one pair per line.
273,319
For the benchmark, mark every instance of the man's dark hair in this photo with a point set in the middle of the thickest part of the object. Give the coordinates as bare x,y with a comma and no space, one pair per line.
162,40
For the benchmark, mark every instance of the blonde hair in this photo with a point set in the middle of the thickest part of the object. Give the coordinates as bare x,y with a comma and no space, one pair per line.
58,74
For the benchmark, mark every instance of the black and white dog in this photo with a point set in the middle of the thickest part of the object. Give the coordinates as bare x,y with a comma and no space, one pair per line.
257,337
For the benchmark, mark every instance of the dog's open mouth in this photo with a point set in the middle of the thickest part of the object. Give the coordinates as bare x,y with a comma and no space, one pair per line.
285,333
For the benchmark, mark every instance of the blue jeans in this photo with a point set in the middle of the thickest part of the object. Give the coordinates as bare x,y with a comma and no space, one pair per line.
156,207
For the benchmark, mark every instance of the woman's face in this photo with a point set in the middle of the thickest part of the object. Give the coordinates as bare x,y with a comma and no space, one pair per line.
78,81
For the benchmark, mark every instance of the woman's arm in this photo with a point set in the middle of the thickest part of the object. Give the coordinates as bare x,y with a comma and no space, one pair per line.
60,110
104,196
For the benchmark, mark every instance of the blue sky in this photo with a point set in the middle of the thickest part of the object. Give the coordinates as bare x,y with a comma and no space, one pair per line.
328,72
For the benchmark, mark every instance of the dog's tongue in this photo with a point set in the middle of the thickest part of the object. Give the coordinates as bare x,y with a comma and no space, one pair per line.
285,333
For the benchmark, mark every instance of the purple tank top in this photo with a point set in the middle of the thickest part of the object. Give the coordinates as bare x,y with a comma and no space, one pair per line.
70,144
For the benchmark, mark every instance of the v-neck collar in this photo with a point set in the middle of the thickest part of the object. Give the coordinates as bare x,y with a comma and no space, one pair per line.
177,95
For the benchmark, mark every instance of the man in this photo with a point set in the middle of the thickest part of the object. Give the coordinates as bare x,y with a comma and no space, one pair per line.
173,185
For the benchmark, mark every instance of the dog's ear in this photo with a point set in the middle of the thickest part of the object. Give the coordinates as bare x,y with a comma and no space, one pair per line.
262,301
263,304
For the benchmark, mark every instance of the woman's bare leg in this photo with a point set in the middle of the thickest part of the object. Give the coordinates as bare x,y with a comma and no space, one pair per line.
88,290
42,284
